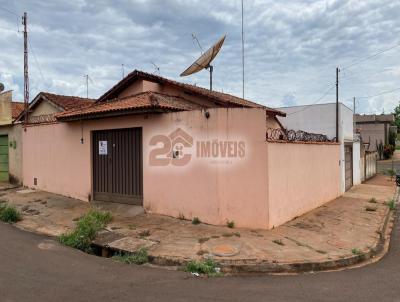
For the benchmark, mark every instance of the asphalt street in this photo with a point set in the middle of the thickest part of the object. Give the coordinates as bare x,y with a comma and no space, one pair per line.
36,268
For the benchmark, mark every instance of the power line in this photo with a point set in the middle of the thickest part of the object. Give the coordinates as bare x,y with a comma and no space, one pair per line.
9,11
36,61
381,93
358,61
315,102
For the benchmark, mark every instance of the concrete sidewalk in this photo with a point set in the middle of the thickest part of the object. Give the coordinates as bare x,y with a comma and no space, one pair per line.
343,232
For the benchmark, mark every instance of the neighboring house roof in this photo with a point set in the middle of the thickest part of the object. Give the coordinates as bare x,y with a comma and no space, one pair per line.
61,102
373,118
67,102
16,109
223,99
147,101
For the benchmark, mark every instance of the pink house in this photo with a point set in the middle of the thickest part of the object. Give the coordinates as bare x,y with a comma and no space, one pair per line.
179,150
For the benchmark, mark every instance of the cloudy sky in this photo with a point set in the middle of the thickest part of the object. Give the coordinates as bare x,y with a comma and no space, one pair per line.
292,47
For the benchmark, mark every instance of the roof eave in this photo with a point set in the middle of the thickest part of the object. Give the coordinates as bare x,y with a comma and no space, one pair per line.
115,113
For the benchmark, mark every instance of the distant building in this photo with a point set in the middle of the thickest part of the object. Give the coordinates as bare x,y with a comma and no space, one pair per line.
374,128
321,119
10,139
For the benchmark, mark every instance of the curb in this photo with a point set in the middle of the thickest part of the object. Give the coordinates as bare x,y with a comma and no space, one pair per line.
252,266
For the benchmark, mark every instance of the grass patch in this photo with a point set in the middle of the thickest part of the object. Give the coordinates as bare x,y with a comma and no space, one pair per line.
207,267
370,209
372,200
132,226
391,204
139,257
86,230
196,220
390,172
356,251
278,242
9,213
230,224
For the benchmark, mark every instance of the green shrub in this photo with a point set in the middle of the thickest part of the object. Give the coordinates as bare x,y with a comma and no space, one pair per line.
9,214
390,172
230,224
388,151
86,230
391,204
196,220
139,257
356,251
207,267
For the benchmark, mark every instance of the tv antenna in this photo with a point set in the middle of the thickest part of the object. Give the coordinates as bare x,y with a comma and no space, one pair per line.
194,37
204,61
156,68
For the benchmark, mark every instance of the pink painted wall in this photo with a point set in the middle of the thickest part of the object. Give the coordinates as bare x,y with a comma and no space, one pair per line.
301,177
270,184
212,189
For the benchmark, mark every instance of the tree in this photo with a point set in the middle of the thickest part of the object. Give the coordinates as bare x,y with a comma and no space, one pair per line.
397,116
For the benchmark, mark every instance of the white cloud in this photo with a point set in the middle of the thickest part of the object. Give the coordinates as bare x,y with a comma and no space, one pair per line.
292,47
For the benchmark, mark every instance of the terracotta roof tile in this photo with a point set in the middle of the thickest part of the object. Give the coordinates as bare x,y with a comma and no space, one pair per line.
224,99
16,109
144,100
67,102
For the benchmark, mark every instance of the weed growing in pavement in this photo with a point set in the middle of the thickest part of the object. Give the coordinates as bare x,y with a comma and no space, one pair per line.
391,173
132,226
230,224
196,220
207,267
181,216
372,200
86,230
356,251
9,213
139,257
391,204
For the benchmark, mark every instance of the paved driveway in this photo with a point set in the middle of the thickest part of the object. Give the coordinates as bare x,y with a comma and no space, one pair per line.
34,268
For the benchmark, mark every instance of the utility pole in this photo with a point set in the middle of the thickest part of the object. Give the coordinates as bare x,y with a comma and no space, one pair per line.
87,85
26,75
242,52
337,104
354,114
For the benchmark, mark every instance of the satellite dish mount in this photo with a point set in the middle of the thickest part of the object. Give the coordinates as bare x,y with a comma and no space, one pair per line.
204,61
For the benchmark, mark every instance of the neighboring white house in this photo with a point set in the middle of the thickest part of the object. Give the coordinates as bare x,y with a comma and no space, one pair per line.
321,119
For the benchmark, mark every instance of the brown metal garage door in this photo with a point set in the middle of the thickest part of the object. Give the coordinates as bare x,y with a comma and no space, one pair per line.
117,165
348,158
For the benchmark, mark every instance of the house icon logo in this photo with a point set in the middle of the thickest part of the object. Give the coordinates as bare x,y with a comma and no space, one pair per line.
171,149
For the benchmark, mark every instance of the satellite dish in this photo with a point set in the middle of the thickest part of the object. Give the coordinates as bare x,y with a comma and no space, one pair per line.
1,87
204,61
